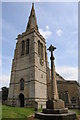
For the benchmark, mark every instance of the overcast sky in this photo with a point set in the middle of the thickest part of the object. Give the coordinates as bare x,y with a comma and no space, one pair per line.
57,22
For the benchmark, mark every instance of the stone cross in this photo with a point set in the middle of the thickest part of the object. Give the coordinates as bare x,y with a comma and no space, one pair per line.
54,91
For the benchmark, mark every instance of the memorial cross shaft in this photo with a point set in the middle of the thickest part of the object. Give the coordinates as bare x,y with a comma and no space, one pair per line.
54,92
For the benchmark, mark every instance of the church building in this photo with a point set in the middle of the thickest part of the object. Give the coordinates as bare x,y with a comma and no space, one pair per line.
28,84
30,73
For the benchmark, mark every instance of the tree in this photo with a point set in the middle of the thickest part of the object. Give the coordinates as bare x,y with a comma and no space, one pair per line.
4,93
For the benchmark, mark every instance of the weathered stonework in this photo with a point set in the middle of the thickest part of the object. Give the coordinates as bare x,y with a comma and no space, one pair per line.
35,71
69,91
29,68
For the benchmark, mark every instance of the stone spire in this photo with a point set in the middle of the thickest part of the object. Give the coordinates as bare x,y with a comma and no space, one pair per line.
32,22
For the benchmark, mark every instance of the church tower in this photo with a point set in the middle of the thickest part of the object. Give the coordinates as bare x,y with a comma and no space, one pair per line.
28,83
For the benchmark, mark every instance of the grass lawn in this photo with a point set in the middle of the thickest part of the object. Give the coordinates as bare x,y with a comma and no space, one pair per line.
77,111
16,112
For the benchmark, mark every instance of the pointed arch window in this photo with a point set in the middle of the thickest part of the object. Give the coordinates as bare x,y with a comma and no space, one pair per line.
59,95
38,47
73,100
21,84
27,46
23,48
41,51
45,54
66,97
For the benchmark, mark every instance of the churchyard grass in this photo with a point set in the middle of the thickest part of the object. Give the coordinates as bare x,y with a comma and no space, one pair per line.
77,111
16,112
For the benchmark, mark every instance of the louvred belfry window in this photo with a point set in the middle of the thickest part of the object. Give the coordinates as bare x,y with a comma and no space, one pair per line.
27,46
23,48
45,54
41,51
38,47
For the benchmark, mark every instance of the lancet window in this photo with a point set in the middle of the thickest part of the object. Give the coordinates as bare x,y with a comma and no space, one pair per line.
66,97
40,49
27,46
45,54
21,84
23,48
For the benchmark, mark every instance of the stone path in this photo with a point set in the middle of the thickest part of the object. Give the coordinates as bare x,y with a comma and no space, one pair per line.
32,118
79,117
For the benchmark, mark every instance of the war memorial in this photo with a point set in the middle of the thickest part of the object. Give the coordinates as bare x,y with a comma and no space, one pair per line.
55,108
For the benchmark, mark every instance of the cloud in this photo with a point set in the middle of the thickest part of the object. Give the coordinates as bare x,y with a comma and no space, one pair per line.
68,72
47,27
4,80
45,33
6,26
59,32
40,1
5,76
0,62
7,58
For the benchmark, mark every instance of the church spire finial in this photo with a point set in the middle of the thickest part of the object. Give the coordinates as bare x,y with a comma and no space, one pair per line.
32,22
32,4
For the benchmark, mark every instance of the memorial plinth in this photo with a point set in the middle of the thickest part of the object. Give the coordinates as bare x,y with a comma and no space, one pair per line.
65,116
55,108
55,104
